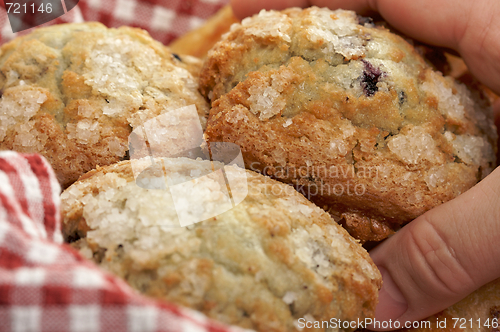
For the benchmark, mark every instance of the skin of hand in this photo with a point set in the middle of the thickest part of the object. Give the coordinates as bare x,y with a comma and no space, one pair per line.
450,251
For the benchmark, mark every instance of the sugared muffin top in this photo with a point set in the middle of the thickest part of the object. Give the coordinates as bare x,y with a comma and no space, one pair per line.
329,102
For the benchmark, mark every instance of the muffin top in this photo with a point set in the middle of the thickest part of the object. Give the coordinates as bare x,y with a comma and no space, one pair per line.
329,102
74,92
265,263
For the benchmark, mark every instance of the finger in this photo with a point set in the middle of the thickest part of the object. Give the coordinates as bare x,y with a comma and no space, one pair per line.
244,8
480,44
442,256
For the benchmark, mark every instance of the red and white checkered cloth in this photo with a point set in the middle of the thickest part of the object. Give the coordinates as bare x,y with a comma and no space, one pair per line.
46,285
165,20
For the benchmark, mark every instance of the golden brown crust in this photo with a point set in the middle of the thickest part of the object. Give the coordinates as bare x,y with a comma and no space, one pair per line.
359,188
269,261
74,92
350,115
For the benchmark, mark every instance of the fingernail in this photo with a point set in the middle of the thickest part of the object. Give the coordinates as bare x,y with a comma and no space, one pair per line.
392,303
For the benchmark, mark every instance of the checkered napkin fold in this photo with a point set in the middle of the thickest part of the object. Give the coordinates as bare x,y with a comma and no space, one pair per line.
46,285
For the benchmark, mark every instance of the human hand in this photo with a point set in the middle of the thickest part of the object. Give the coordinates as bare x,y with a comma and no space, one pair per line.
447,253
442,256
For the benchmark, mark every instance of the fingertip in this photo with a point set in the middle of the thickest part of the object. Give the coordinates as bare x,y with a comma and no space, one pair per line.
244,8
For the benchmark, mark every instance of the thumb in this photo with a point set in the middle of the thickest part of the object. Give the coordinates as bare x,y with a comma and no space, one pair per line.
440,257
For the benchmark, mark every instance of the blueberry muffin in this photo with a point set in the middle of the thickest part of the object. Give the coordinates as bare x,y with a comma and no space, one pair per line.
349,113
272,263
74,92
